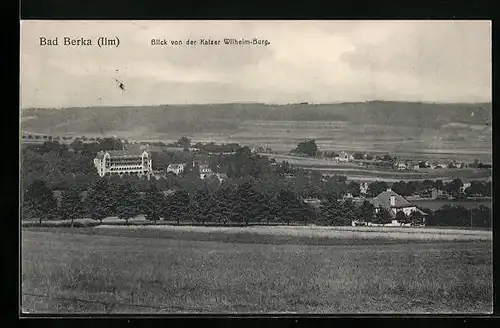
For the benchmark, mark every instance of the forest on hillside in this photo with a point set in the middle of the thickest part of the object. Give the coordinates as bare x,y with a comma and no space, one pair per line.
228,117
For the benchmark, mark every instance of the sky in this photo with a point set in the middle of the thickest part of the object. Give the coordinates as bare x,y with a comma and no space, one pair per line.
305,61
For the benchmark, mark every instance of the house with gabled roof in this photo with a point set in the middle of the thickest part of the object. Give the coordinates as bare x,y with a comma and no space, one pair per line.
394,203
176,168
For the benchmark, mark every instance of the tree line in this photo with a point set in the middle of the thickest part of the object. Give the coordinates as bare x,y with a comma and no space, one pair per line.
242,203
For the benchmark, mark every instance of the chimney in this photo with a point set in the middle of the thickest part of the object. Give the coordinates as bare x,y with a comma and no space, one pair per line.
393,201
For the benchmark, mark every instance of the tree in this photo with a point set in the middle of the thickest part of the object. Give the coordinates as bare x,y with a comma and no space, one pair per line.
349,211
184,142
289,206
39,201
154,203
100,202
416,218
400,188
376,188
366,211
71,204
178,206
428,184
477,188
383,216
307,147
128,202
358,155
76,145
453,187
331,211
109,144
354,189
481,216
439,185
244,203
402,218
203,205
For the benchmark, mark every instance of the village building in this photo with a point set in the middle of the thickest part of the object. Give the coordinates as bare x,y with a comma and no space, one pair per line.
394,203
401,166
123,162
314,202
205,171
176,168
221,177
344,157
363,187
465,186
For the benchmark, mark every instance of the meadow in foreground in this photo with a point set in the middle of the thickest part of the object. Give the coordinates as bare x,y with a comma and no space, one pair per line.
168,275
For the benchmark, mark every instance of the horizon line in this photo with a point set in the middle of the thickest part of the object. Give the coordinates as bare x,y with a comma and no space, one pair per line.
273,104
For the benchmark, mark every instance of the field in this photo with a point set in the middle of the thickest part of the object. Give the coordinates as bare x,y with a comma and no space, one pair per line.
309,270
437,204
355,171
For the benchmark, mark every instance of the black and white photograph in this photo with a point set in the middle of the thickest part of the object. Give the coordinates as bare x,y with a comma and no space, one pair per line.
255,167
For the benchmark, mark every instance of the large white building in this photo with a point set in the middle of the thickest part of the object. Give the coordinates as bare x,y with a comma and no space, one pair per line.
123,162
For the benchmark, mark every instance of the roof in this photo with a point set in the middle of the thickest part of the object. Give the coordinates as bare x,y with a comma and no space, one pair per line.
176,166
384,200
120,153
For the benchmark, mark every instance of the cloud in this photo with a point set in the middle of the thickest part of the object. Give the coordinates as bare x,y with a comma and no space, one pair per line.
315,61
437,53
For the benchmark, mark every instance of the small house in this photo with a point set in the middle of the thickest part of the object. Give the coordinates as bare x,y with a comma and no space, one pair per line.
394,203
465,186
344,157
314,202
363,187
401,166
221,177
176,168
205,171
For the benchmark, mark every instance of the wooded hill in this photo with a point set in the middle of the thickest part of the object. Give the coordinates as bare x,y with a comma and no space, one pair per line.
228,117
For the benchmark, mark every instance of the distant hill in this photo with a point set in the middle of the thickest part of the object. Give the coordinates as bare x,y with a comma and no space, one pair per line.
228,117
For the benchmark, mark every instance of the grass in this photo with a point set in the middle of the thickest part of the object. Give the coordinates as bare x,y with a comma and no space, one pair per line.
168,274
